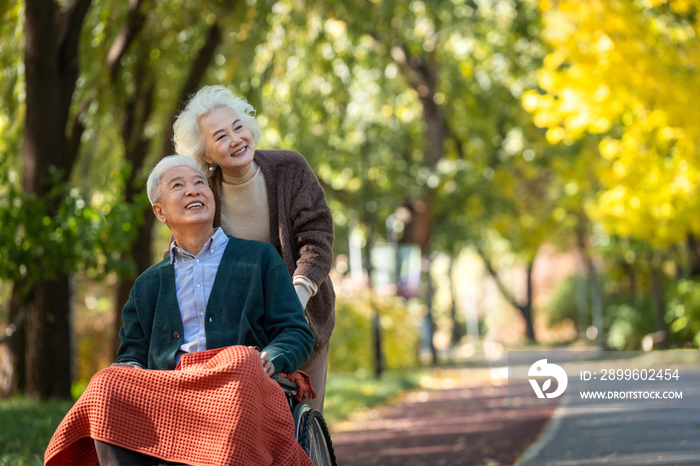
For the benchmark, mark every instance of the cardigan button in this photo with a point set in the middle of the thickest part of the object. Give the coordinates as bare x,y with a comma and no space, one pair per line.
176,335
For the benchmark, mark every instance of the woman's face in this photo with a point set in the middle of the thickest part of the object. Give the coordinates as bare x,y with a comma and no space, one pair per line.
228,141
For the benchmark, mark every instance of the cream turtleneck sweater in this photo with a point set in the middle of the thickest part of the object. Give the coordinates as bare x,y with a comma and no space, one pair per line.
245,212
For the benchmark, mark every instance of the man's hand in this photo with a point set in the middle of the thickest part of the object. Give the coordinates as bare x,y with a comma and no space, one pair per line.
124,364
265,359
267,364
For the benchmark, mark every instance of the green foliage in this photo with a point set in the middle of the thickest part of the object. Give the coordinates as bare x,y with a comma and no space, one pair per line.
26,426
351,347
43,237
683,312
563,304
626,324
626,320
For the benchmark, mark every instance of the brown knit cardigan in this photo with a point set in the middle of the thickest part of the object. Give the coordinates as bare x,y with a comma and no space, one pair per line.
301,229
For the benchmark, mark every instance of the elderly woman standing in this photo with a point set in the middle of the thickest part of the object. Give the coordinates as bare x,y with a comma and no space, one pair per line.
266,195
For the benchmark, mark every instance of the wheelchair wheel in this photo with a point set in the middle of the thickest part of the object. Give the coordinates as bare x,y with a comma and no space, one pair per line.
313,436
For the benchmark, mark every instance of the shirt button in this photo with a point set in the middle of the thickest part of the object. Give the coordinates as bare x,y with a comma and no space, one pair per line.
198,261
198,286
209,319
176,335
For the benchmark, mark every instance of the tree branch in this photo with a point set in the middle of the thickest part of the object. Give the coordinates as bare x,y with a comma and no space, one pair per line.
197,71
403,59
77,132
457,140
506,294
135,21
69,28
422,77
201,64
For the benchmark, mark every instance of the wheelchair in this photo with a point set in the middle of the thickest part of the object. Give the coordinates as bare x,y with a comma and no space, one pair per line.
310,429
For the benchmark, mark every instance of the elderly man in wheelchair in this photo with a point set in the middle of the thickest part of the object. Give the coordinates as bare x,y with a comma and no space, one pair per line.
212,337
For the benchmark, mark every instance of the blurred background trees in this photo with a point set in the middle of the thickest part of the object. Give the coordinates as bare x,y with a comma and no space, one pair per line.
533,164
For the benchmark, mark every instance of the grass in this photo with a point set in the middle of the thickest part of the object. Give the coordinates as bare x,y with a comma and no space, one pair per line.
26,426
349,393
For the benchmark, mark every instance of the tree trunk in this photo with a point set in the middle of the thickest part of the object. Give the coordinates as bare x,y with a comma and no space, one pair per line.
429,295
694,255
658,299
629,271
456,333
418,231
13,369
596,289
526,309
51,69
597,300
421,73
419,227
376,318
48,350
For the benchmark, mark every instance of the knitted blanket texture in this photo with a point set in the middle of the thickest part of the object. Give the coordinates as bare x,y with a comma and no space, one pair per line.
218,407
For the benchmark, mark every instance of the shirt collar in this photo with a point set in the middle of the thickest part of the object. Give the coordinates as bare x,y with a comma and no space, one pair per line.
213,244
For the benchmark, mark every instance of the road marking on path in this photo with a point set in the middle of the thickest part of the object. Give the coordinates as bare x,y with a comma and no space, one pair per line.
547,435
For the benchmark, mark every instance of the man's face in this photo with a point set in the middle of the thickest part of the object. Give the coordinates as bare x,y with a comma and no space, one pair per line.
185,199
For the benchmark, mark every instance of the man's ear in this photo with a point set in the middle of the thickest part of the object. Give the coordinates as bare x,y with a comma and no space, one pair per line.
158,211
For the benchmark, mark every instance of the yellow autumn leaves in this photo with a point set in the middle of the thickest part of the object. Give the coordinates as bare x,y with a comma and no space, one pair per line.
628,71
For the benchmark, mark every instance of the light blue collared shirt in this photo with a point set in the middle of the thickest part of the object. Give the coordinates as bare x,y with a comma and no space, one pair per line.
194,278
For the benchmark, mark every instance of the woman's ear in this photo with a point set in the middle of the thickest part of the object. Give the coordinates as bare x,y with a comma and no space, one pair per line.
206,158
158,211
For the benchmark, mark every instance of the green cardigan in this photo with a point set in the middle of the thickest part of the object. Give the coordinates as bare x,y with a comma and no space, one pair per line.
252,303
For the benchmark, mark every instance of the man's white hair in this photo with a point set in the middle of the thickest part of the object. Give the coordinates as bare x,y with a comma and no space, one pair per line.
154,183
188,137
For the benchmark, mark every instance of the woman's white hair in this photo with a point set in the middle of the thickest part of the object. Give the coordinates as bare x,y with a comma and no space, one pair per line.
154,183
188,137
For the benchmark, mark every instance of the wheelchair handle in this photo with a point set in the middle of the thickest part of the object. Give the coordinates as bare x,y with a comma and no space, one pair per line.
286,384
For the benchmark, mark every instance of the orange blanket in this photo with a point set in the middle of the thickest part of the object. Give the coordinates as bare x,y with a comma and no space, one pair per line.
217,407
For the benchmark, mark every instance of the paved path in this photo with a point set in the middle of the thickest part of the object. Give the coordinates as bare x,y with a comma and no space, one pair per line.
465,422
623,433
